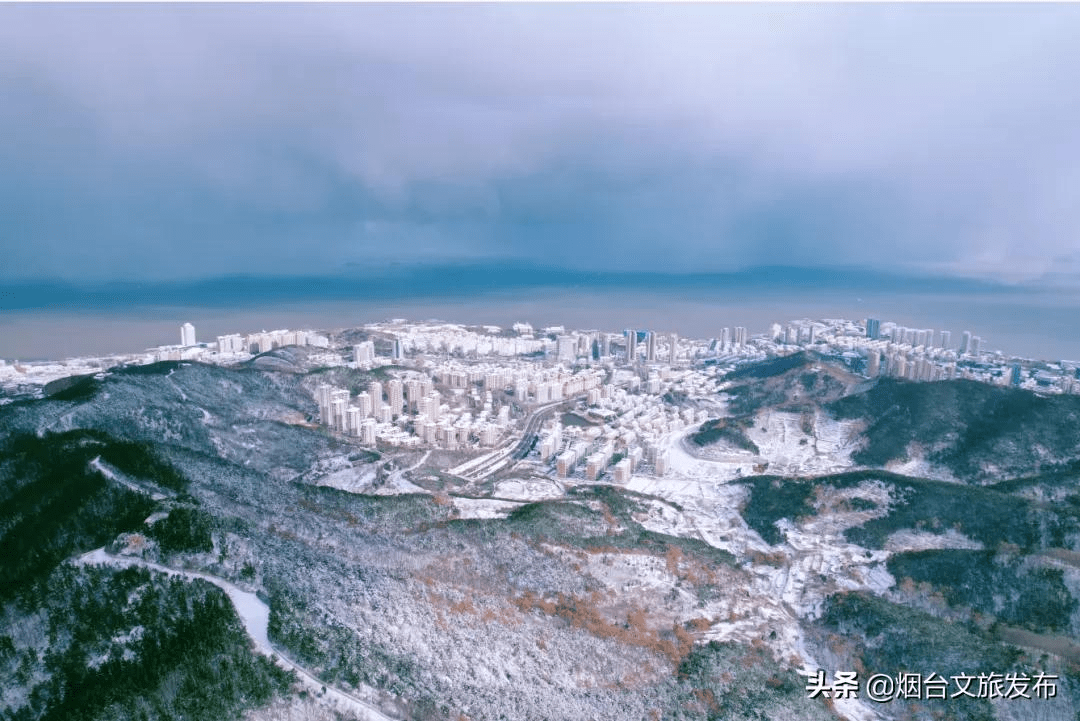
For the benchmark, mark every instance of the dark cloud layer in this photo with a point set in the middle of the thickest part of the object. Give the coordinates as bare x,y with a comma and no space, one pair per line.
180,142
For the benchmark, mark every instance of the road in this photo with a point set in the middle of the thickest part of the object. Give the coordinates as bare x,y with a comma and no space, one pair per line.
536,420
255,616
498,458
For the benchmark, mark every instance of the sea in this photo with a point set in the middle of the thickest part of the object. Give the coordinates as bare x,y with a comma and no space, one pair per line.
1042,326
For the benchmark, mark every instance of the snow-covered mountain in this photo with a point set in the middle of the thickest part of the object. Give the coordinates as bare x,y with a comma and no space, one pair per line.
820,522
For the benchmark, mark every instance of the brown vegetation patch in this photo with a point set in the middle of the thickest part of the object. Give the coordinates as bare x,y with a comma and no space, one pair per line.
582,612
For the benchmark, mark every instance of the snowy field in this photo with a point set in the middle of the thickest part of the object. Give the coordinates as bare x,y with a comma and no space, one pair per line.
483,507
787,448
532,489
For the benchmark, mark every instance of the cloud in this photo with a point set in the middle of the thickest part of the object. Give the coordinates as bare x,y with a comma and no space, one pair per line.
184,141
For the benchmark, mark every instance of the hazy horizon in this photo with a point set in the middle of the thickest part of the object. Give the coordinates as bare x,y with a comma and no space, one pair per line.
261,157
1038,328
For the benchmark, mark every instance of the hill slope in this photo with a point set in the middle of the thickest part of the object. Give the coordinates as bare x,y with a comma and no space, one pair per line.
977,432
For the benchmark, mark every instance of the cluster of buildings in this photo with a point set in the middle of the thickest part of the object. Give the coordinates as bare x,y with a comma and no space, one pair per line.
923,355
468,392
882,348
234,347
626,423
266,341
456,387
970,345
360,415
452,339
451,404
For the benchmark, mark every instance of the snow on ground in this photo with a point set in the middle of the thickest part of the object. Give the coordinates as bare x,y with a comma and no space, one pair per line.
483,507
684,465
353,480
41,373
910,540
775,587
783,444
397,484
710,513
104,469
532,489
790,450
918,467
255,616
477,462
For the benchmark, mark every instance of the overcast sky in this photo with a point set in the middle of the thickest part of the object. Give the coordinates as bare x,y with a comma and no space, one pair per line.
190,141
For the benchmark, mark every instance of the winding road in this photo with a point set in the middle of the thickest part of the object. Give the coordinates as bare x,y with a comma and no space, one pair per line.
255,616
480,468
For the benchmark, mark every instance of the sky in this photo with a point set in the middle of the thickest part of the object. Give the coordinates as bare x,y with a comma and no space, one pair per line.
175,143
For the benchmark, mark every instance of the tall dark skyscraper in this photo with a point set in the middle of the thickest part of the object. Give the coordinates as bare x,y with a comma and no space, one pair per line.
873,328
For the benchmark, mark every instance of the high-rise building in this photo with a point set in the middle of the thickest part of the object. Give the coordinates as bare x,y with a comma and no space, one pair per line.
965,342
398,350
661,462
323,396
899,366
353,420
364,353
375,391
973,345
1015,375
338,408
564,464
566,349
740,336
395,396
367,432
187,334
630,336
650,346
621,473
413,393
231,343
873,364
946,339
873,328
584,344
429,406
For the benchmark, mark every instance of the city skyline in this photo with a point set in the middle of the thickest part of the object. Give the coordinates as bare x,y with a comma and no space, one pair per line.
870,346
616,162
1007,325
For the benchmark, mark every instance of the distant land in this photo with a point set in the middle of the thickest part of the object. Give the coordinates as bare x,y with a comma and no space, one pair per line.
58,319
